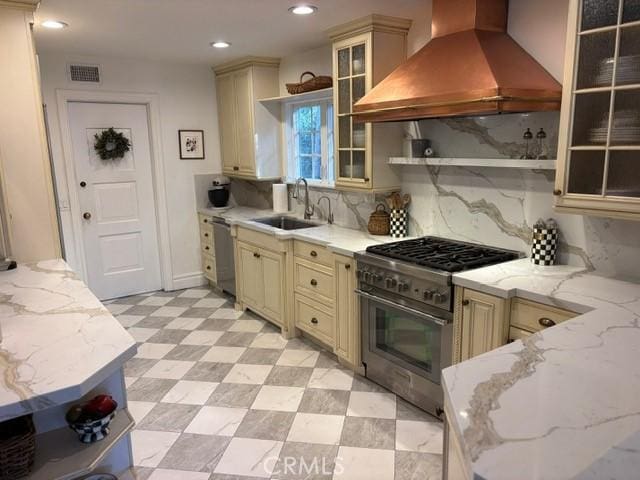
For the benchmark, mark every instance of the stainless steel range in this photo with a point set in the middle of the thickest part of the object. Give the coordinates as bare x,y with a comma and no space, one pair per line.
406,299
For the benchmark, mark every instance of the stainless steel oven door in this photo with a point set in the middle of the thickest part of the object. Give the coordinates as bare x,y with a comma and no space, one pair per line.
406,337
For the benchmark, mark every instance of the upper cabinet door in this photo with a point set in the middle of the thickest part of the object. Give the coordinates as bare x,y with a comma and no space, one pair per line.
226,109
599,157
244,118
352,71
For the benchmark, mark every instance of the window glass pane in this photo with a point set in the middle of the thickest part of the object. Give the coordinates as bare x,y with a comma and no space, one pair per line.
330,145
305,166
631,12
357,88
344,96
358,67
586,170
626,118
316,173
358,135
628,71
304,143
307,134
358,165
344,124
345,163
595,66
591,119
624,174
599,13
343,62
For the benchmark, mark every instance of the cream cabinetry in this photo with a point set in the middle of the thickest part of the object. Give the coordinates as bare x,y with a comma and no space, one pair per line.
347,337
364,52
207,247
261,281
484,322
600,119
249,131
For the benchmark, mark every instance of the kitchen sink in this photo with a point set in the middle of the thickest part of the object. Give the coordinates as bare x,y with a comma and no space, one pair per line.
286,223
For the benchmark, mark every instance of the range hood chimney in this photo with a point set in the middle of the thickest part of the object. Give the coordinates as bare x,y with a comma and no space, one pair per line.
470,67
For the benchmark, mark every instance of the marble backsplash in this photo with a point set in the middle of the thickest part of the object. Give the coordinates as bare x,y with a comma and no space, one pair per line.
494,206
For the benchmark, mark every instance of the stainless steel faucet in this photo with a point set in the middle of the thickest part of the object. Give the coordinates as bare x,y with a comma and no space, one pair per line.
330,214
308,209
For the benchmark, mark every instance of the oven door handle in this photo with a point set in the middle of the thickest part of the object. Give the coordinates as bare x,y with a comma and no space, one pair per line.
412,311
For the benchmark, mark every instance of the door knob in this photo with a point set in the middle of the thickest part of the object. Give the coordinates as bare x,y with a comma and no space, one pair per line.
83,184
86,215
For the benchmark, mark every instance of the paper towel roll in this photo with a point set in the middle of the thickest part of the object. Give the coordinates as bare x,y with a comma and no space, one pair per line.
280,198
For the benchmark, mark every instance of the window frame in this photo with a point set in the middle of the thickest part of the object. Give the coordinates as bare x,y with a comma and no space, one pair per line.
291,164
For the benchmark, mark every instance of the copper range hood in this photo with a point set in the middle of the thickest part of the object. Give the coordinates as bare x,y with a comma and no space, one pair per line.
470,67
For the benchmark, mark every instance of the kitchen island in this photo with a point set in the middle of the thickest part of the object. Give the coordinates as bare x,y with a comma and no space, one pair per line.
563,403
60,345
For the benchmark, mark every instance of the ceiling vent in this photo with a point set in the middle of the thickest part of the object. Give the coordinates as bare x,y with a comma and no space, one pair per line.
84,73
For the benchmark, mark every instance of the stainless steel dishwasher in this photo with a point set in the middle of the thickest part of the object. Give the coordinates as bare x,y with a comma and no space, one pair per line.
225,263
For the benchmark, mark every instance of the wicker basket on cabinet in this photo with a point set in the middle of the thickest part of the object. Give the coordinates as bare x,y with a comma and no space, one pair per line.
17,447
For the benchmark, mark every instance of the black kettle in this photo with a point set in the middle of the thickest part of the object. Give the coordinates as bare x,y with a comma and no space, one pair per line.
219,194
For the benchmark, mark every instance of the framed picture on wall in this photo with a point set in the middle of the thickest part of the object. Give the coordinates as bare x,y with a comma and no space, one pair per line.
191,144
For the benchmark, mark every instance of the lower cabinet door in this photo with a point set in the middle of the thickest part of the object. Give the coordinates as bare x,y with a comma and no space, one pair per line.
251,276
485,323
272,273
347,337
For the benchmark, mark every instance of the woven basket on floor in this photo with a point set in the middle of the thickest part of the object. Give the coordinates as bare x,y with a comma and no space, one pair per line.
17,447
315,83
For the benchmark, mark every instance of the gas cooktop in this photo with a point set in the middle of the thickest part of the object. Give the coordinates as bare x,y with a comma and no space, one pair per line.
443,254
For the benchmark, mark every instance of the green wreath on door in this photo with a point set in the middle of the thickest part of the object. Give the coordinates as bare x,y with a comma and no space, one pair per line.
111,145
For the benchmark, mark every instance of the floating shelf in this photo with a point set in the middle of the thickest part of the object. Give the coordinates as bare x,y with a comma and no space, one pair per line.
61,456
477,162
315,95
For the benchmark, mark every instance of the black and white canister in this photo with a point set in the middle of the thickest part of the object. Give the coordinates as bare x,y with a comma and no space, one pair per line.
398,223
545,243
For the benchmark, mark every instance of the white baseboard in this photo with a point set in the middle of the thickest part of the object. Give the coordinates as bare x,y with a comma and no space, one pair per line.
189,280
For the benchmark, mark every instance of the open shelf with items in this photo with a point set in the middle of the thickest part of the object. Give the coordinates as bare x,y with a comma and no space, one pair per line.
61,456
599,153
528,164
321,94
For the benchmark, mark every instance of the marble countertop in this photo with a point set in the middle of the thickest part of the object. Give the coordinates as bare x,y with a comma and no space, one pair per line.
344,241
58,340
563,403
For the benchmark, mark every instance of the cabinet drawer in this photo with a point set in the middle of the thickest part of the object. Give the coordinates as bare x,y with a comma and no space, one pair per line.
207,248
209,267
314,318
314,280
206,232
260,239
313,253
205,220
518,334
534,317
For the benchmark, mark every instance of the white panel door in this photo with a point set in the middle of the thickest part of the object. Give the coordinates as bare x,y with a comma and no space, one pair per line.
117,201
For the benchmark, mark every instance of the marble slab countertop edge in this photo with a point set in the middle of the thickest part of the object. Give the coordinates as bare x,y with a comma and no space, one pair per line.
59,341
604,333
337,239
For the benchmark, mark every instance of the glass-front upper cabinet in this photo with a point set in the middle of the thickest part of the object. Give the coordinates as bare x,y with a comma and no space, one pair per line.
363,149
599,157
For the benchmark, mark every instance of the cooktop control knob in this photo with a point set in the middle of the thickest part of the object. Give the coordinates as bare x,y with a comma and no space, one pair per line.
390,282
428,294
403,286
376,277
439,297
366,276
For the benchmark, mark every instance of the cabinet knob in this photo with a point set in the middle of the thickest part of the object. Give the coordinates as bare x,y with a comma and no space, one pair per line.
347,267
208,267
313,253
314,282
206,235
256,255
366,179
557,192
83,184
86,215
207,247
205,220
465,303
314,320
546,322
235,169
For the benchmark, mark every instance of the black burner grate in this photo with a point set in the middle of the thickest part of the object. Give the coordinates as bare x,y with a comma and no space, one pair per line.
442,254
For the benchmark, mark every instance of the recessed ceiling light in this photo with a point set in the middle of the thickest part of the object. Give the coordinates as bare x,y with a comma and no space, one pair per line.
303,9
220,44
55,24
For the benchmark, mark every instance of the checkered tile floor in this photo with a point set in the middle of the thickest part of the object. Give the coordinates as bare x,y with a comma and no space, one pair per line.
219,395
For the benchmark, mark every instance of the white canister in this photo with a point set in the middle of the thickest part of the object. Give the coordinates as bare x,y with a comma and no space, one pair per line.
280,198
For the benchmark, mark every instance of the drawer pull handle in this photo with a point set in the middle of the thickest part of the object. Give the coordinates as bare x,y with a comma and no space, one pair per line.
546,322
235,169
256,255
206,235
208,267
347,267
314,282
313,253
205,220
465,303
207,247
314,320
